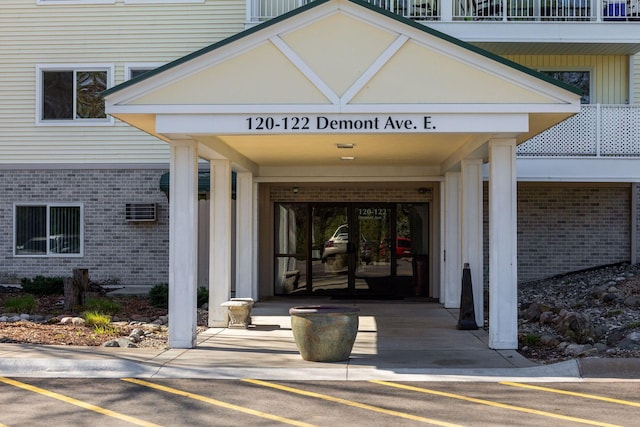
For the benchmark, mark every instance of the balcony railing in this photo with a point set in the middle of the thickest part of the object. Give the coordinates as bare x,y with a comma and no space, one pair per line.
479,10
597,131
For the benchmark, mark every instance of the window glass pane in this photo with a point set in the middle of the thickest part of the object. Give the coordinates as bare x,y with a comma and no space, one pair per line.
89,102
64,230
31,230
138,72
579,79
57,95
291,235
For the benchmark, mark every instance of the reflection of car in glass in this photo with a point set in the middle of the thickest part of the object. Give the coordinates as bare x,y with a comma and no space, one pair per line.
403,247
59,244
337,244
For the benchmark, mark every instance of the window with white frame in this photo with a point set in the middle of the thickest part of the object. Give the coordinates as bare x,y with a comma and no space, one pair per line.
48,230
50,2
578,78
132,71
72,95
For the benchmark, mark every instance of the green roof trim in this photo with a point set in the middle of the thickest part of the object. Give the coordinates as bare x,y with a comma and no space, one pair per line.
362,3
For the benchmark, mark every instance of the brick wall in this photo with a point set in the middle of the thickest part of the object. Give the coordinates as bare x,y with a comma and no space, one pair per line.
568,227
366,192
114,249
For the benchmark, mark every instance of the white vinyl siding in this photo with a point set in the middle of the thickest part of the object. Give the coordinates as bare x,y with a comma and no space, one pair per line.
635,78
609,73
114,34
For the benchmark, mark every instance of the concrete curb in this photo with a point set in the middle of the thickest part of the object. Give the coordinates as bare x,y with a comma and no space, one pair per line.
568,371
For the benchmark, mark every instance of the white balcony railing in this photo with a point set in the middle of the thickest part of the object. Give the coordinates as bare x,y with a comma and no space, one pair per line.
597,131
479,10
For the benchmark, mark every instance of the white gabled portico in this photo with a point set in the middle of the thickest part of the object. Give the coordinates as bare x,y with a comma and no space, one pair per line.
274,102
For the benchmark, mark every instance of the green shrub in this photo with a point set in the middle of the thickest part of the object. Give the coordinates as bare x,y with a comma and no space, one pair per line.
21,304
159,295
203,296
531,339
41,285
103,305
96,319
106,330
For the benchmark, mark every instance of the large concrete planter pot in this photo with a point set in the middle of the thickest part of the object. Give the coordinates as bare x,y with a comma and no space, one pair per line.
324,333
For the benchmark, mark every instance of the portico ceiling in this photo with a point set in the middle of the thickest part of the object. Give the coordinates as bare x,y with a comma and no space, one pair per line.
411,95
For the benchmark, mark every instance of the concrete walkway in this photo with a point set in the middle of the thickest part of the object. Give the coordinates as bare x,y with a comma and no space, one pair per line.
401,341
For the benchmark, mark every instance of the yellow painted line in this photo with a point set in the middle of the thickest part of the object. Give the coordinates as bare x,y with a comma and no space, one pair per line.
572,393
495,404
3,425
77,402
217,402
351,403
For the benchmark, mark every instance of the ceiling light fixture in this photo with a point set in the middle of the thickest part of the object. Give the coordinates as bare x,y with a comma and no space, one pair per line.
347,158
345,145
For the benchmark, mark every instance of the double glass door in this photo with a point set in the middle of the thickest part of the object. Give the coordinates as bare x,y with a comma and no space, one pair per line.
350,249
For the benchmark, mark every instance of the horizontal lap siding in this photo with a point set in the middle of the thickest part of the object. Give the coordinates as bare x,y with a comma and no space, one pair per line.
113,34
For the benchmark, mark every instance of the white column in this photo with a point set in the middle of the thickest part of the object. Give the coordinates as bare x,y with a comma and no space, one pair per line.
183,244
451,286
219,242
503,257
245,282
472,252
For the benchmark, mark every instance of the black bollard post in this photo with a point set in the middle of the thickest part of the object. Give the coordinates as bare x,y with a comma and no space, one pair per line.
467,319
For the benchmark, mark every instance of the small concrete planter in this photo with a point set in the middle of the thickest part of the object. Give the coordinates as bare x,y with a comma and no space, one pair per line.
324,333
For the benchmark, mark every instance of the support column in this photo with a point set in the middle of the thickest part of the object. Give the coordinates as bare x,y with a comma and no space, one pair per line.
503,256
219,242
472,251
183,244
245,282
451,286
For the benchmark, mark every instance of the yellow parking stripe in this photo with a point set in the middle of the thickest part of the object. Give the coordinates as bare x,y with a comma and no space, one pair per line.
3,425
495,404
572,393
218,402
351,403
76,402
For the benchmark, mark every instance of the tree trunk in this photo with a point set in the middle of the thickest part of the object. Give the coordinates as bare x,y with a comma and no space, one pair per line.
75,288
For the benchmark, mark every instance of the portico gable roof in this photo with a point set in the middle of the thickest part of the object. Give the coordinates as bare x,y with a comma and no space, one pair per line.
349,62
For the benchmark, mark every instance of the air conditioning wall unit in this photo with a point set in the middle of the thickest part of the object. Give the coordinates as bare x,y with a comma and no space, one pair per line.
141,212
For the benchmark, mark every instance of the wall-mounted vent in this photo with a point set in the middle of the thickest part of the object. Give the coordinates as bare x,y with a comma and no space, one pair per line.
140,211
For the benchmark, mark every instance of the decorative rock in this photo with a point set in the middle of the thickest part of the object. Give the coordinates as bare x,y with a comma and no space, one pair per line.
547,317
549,340
634,336
632,301
77,321
4,318
25,316
65,320
576,326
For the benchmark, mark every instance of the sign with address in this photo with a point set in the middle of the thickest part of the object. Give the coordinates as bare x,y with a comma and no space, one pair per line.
337,123
318,123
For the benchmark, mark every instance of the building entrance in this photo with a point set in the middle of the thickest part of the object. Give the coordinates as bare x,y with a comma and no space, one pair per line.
352,249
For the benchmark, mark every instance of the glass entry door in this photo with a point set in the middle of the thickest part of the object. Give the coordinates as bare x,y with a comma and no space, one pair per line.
346,259
352,249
